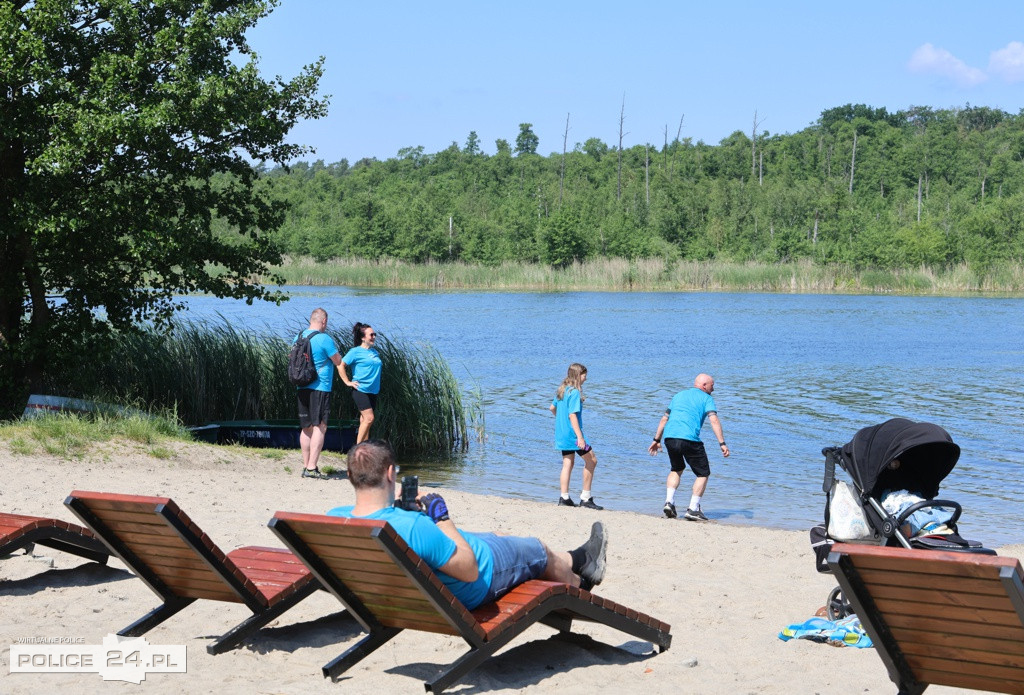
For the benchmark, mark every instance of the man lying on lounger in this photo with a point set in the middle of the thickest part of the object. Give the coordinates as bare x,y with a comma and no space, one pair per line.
477,567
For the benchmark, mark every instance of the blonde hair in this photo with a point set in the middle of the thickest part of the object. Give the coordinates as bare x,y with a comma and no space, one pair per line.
574,378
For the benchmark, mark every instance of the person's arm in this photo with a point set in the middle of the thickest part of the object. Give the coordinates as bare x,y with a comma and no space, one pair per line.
655,446
575,422
716,426
344,374
552,409
462,564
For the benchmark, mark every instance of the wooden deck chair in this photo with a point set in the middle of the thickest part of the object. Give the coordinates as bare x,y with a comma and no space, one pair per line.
940,618
388,588
18,531
180,563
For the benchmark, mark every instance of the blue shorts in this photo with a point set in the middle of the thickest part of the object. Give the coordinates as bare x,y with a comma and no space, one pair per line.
516,560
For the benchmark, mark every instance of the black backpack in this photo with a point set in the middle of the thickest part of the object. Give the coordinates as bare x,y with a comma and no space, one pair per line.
301,369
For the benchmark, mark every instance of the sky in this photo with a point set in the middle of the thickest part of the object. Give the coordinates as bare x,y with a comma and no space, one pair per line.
409,74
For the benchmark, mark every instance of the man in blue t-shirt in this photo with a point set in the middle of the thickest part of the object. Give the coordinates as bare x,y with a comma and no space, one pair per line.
315,399
680,426
477,567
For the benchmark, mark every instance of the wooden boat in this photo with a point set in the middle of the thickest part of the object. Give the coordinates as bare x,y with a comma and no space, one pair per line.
276,434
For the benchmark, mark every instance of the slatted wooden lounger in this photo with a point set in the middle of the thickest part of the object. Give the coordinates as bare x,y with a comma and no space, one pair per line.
938,618
18,531
388,588
180,563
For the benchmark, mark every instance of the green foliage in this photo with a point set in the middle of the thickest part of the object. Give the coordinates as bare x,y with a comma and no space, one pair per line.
70,435
127,130
935,188
204,373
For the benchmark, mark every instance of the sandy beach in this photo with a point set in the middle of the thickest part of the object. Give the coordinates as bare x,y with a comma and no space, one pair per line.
726,591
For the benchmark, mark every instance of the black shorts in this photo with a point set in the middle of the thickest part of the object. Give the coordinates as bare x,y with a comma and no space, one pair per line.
580,452
683,451
314,407
364,401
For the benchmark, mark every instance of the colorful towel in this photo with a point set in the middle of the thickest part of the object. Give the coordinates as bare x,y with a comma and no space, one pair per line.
847,632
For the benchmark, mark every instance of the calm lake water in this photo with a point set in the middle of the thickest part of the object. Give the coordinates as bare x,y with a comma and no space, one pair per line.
793,373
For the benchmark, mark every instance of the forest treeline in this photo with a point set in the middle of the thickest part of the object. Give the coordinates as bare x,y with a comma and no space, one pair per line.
860,186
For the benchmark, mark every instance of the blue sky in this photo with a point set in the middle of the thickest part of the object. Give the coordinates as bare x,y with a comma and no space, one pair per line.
406,74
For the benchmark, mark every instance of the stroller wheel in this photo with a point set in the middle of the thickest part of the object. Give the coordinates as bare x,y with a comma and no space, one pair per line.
837,607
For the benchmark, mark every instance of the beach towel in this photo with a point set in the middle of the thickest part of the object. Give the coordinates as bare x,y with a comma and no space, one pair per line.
847,632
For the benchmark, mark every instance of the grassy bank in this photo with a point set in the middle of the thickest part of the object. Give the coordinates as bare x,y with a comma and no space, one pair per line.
202,373
655,274
70,436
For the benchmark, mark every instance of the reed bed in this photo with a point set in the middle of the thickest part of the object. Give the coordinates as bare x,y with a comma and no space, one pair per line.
656,275
205,372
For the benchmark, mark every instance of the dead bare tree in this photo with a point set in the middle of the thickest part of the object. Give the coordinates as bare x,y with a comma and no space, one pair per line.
622,120
646,171
561,175
675,150
853,159
753,146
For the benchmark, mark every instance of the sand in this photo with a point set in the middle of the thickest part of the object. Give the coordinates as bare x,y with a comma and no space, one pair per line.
726,591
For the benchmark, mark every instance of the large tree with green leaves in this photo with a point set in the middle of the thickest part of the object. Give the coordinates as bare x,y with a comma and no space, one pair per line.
128,129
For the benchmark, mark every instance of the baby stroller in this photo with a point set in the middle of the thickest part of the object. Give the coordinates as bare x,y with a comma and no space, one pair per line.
901,463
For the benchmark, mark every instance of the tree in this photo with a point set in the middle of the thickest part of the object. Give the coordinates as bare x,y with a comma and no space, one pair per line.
127,128
526,142
472,144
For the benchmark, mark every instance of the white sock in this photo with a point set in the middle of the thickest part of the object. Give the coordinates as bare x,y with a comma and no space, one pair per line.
565,495
670,495
585,495
695,502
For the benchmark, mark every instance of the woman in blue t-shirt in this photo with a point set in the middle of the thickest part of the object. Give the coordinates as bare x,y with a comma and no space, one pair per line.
569,439
365,362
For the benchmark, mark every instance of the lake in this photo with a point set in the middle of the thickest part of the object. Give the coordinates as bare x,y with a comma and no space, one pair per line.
793,373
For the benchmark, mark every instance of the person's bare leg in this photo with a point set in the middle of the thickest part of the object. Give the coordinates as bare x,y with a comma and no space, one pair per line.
673,480
568,461
589,464
316,445
365,420
559,568
304,438
699,485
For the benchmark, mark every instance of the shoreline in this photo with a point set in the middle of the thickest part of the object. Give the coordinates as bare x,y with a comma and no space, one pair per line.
655,275
726,590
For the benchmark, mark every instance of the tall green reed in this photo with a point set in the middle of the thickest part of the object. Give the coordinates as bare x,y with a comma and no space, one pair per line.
206,372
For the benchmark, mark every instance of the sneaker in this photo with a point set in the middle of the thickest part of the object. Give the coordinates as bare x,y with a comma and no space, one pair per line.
695,515
315,473
566,502
595,549
589,503
670,510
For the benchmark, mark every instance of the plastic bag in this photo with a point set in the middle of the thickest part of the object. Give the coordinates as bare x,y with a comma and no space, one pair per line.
846,518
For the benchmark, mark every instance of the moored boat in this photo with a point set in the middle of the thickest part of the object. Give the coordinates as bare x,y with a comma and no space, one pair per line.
277,434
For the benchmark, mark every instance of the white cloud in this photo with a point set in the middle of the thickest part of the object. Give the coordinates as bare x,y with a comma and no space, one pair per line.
1008,62
930,60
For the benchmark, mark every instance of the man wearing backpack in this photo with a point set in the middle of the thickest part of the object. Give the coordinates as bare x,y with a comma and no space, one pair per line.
315,399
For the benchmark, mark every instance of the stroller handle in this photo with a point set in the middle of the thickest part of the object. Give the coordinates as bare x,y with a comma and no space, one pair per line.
957,511
831,453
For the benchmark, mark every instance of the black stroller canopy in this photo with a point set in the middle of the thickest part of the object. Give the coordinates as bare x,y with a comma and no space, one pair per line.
926,454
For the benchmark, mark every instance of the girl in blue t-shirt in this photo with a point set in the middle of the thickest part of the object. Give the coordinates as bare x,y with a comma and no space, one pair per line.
568,409
365,382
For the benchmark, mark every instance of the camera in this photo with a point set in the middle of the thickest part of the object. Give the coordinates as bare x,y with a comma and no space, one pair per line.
410,489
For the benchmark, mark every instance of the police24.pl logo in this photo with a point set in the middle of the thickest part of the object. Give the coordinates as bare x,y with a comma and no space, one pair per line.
117,659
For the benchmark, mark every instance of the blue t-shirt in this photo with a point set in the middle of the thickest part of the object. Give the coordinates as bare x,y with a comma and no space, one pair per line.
365,363
431,544
565,436
686,414
323,348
